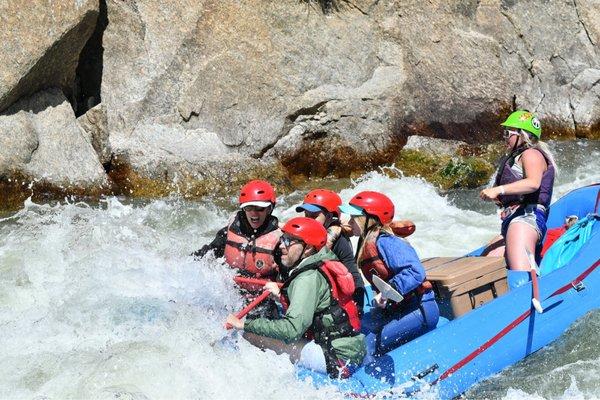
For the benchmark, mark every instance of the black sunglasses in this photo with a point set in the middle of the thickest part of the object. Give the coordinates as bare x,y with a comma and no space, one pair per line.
254,208
288,241
312,214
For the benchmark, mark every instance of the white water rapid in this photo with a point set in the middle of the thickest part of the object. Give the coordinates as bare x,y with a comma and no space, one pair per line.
103,301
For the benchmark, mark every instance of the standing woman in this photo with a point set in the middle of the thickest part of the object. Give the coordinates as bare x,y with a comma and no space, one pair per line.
523,188
395,261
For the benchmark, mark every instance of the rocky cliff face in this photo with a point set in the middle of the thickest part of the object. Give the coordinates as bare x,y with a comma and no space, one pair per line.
209,91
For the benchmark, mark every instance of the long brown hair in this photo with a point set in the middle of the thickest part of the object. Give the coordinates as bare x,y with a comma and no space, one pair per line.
373,230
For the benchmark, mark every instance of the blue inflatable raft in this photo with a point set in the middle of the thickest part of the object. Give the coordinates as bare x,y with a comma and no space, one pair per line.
458,354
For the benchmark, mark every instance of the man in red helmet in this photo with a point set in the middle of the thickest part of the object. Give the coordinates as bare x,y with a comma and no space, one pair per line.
317,295
322,205
249,241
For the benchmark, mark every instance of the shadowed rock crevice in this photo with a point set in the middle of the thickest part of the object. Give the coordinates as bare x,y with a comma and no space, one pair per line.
56,67
88,76
327,6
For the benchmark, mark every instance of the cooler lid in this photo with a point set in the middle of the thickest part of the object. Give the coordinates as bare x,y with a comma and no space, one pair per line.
454,271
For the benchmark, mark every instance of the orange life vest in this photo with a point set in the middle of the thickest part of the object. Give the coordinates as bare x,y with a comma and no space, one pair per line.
252,256
371,263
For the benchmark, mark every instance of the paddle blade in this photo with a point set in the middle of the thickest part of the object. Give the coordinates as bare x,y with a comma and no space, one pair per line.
386,290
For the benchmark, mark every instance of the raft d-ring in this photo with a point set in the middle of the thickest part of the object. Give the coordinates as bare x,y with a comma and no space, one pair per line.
425,372
579,286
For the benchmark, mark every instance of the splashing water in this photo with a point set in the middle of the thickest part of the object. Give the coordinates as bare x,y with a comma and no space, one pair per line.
105,302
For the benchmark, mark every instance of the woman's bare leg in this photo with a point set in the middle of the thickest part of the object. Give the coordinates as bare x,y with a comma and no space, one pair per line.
519,237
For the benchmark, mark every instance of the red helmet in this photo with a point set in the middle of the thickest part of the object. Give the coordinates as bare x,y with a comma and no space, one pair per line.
257,193
375,203
310,231
327,199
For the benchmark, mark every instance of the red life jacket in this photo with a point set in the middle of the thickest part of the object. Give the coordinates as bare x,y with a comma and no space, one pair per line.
252,256
371,263
342,309
341,283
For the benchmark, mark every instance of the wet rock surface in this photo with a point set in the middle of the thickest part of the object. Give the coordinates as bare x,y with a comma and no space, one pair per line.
447,163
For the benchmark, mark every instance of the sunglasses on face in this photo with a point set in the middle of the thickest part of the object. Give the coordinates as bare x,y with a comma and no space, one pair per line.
254,208
287,241
508,133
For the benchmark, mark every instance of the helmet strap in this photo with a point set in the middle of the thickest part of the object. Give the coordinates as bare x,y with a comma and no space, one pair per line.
329,218
518,148
299,260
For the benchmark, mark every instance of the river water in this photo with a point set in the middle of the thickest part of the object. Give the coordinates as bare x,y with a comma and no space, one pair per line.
102,301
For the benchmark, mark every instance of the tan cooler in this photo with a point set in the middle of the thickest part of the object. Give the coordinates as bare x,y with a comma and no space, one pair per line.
465,283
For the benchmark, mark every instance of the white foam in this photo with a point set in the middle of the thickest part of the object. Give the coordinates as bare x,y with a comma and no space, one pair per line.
443,229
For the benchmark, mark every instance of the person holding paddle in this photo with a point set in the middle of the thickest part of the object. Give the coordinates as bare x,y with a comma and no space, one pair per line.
317,298
322,206
382,256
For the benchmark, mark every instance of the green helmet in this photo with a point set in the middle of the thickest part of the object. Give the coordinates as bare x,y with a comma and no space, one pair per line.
524,120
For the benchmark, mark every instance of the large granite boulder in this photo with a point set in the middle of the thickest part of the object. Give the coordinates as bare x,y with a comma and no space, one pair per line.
282,81
42,141
585,102
40,42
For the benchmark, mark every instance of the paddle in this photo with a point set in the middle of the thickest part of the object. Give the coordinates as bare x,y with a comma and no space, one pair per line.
250,307
535,296
256,301
386,290
242,280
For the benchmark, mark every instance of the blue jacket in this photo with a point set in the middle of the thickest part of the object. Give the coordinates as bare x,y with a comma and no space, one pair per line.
402,259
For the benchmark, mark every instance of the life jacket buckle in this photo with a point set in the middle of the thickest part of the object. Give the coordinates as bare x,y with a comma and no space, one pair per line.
245,246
